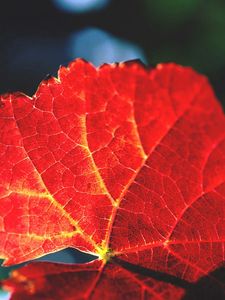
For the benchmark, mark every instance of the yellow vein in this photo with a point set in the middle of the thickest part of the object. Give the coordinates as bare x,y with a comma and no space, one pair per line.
56,204
98,175
33,236
124,191
134,122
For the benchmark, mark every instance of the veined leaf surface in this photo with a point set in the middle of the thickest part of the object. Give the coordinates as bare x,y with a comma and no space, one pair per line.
122,162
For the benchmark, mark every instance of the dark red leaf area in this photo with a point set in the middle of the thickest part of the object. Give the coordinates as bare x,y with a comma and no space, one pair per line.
90,281
122,162
116,281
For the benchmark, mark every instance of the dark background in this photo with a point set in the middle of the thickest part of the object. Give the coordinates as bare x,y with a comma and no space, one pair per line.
35,36
38,36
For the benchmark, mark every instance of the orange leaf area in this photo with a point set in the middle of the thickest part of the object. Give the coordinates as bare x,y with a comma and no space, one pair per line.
122,162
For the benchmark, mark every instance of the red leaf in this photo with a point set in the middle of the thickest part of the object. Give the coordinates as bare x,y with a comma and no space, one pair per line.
87,281
118,161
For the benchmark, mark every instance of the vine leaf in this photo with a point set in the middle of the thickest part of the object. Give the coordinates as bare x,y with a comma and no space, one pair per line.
122,162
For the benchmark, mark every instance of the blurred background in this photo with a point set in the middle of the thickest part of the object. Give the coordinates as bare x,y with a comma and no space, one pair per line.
38,36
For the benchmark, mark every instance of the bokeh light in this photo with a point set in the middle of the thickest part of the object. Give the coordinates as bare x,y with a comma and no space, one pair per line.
80,6
98,47
4,295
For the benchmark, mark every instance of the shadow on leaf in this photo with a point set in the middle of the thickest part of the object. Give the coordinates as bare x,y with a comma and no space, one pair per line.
209,287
